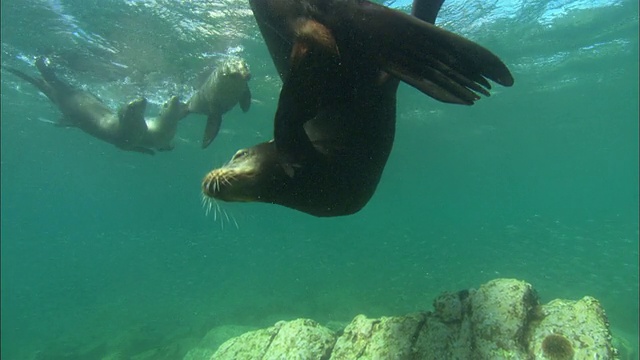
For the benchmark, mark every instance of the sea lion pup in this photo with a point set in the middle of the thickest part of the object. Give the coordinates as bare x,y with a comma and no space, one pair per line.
85,111
162,129
341,61
224,88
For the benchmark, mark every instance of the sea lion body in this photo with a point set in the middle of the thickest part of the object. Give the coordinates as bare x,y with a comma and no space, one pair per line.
87,112
335,123
338,180
226,86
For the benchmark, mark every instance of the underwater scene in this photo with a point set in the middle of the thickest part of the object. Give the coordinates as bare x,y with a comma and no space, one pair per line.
110,252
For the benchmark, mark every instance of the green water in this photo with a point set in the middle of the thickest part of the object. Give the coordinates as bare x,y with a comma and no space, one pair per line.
538,182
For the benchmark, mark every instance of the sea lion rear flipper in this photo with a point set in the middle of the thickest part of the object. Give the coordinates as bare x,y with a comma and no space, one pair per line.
437,62
211,129
245,100
38,83
50,77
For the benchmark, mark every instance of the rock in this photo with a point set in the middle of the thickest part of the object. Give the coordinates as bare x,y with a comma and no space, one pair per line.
219,334
503,319
215,337
199,353
384,338
500,314
572,330
297,339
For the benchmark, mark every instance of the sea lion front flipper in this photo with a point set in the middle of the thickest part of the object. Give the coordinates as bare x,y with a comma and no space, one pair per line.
132,118
297,103
426,10
245,100
211,129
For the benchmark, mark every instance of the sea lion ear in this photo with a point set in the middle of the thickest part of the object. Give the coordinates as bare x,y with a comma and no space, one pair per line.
312,34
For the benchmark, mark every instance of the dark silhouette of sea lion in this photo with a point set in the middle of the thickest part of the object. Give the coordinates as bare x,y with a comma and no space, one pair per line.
341,62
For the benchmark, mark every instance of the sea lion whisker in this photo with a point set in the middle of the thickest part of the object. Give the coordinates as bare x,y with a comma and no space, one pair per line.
203,202
221,212
230,218
207,209
235,222
228,178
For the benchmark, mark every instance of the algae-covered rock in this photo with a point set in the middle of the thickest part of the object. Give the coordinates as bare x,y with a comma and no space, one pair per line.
503,319
251,345
297,339
301,339
215,337
572,330
199,353
500,313
384,338
219,334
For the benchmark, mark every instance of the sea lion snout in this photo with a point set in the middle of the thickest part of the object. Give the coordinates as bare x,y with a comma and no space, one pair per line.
237,67
248,176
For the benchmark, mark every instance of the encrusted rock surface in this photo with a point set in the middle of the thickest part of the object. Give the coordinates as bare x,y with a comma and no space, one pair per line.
588,336
502,319
297,339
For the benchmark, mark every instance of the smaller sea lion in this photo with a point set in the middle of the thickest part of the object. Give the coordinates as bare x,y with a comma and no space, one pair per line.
162,129
224,88
83,110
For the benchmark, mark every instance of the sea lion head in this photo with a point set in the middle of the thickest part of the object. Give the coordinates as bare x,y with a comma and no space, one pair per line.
253,174
235,67
173,109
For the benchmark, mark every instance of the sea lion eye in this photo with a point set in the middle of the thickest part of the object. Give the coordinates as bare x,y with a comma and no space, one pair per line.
239,154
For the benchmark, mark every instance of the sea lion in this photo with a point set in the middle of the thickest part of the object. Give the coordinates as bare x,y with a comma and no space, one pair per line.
224,88
341,62
83,110
162,129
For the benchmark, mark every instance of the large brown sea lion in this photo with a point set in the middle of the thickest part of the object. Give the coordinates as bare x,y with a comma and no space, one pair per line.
225,87
341,62
87,112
